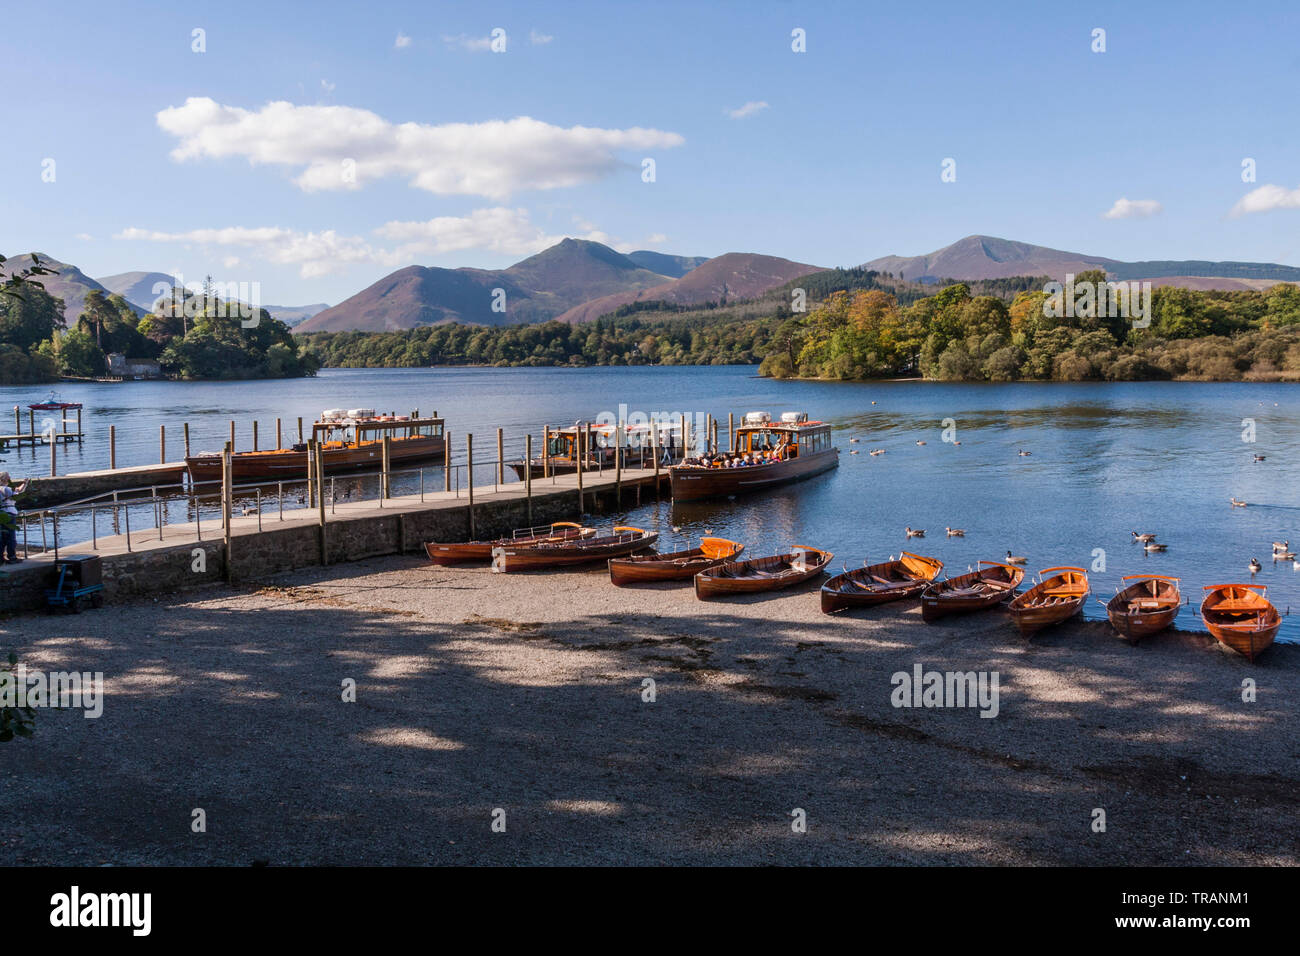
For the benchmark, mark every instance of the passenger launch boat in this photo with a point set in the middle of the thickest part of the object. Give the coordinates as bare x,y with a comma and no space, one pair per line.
990,584
1146,606
350,440
772,573
639,444
559,554
1059,595
673,566
1241,617
465,551
766,454
880,583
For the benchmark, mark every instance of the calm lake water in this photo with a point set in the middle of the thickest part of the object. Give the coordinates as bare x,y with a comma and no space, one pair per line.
1106,459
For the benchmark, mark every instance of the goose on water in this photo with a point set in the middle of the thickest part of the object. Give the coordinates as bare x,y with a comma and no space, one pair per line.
1016,558
1237,502
1254,566
1281,545
1153,546
1144,538
914,532
955,532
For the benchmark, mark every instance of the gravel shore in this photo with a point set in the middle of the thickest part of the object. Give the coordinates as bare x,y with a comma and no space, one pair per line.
478,692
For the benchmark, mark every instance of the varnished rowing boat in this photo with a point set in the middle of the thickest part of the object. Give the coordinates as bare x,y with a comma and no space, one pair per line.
673,566
559,554
462,552
1145,607
879,583
771,573
1241,617
1059,595
990,584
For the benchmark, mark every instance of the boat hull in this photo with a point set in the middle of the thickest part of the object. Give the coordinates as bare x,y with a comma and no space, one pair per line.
510,558
971,592
1144,608
691,484
468,552
287,464
1240,618
1051,601
904,578
772,573
677,566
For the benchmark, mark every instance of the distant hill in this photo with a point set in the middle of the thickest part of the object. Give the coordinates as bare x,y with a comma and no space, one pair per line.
137,287
540,287
732,277
70,285
672,266
292,315
986,257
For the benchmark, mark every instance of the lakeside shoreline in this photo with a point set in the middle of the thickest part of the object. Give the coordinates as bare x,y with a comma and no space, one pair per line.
477,691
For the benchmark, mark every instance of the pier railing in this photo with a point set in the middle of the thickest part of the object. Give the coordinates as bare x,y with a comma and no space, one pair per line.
205,508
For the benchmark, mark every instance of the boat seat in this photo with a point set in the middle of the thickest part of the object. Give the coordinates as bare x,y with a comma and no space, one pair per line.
1066,591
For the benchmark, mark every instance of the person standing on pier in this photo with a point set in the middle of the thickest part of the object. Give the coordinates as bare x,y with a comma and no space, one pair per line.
9,518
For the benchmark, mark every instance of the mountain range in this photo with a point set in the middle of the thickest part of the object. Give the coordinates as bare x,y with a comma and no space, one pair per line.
578,280
540,287
986,257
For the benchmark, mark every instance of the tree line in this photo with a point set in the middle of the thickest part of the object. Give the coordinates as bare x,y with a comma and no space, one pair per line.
953,335
191,336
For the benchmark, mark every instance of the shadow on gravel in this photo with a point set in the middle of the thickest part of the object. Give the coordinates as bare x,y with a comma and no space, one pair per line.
235,707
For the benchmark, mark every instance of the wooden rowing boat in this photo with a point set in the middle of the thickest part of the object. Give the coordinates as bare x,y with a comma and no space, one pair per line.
1146,606
462,552
1058,596
771,573
673,566
880,583
990,584
566,553
1241,617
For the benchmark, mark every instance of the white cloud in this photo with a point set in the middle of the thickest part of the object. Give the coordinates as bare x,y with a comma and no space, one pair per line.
402,42
749,109
537,38
327,86
1133,209
656,239
84,236
230,261
493,158
498,229
1266,199
315,253
465,42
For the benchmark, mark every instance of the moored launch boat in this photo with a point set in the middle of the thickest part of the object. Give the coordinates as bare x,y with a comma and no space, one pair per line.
1241,617
879,583
672,566
1058,596
559,554
767,454
771,573
990,584
465,551
1146,606
350,440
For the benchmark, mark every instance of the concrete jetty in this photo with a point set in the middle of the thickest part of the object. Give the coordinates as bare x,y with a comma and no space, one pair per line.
184,555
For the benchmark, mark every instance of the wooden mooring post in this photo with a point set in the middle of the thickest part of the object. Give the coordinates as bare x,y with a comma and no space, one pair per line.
279,440
227,506
731,432
185,428
254,434
112,446
320,504
501,458
546,452
469,471
446,461
162,444
386,464
54,468
581,440
528,475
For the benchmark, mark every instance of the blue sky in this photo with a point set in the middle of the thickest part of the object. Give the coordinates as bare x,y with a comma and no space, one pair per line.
837,159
